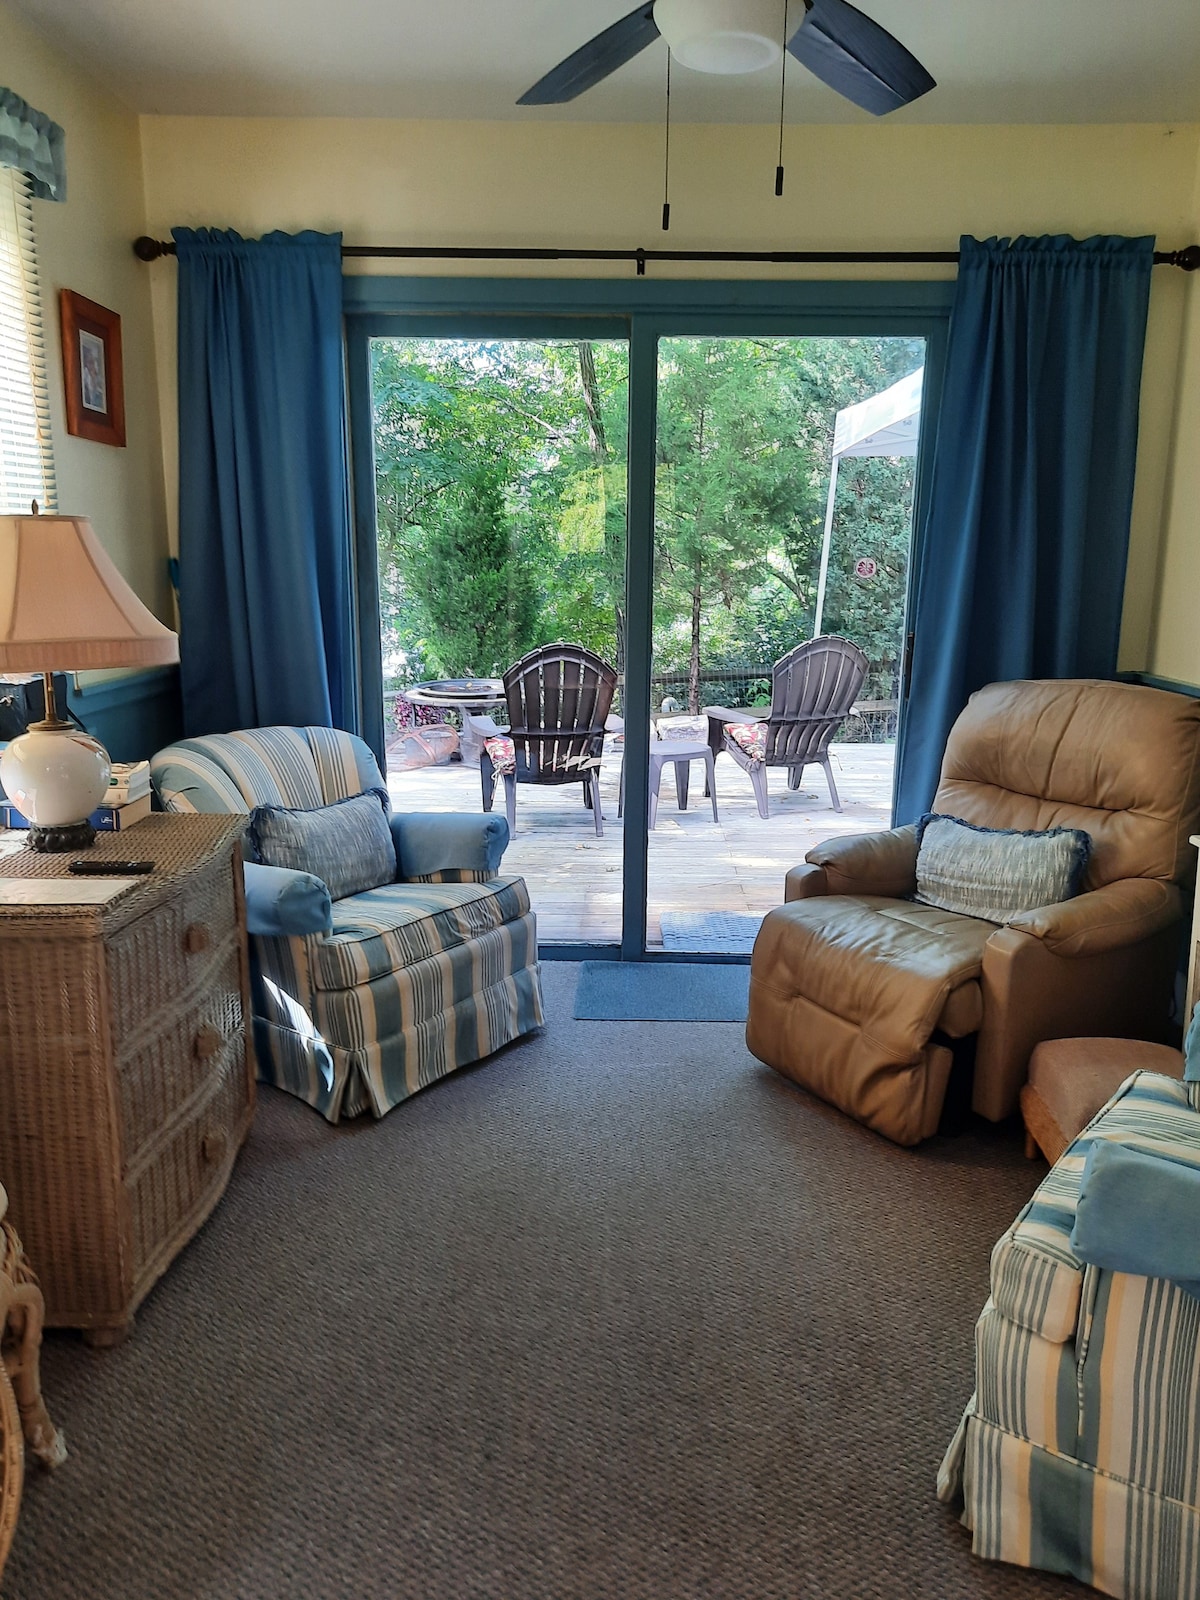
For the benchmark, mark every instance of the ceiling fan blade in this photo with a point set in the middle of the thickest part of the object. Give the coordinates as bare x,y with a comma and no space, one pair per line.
858,58
595,60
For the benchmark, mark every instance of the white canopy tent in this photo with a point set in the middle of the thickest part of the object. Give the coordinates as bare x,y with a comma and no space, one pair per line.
886,424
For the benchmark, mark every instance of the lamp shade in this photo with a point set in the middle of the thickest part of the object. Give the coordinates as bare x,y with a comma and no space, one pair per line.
64,607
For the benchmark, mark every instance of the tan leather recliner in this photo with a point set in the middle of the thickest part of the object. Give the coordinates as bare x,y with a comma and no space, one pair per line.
856,989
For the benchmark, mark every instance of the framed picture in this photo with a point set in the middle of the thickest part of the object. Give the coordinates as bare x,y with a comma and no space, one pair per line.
91,349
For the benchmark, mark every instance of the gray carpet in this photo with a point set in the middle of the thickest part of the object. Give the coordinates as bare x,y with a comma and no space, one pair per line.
619,1315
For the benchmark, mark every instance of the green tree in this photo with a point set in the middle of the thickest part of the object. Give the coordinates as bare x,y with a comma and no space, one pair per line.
548,421
734,481
479,594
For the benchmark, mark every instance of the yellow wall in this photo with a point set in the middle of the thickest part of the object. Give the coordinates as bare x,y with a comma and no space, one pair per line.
1175,647
83,245
877,187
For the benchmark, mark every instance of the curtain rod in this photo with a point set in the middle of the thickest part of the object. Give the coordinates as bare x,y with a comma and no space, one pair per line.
147,249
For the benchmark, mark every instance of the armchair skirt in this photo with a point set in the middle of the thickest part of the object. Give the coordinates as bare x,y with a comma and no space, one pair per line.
1080,1450
415,981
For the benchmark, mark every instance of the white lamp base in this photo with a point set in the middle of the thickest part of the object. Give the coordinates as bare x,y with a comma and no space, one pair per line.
56,776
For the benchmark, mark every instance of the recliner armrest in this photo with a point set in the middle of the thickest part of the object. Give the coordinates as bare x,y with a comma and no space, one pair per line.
869,863
1118,914
803,882
448,841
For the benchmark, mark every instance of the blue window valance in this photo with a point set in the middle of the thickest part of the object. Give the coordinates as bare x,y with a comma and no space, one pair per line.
33,144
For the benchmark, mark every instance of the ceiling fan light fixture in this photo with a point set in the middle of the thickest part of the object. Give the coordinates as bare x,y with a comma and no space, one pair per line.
722,36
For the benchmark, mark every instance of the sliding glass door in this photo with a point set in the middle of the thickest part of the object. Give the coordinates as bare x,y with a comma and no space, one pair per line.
684,482
500,515
783,511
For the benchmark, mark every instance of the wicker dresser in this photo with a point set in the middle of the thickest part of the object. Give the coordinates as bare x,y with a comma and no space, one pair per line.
126,1074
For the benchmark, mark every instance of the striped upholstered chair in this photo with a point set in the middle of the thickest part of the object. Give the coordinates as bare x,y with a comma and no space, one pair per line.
361,1001
1080,1449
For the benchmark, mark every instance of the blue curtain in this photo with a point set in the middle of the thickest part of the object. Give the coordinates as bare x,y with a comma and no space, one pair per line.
264,521
1023,558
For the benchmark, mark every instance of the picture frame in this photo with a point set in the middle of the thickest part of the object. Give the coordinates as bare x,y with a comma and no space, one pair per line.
92,372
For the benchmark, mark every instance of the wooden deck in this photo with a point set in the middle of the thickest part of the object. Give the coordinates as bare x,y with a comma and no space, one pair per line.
736,865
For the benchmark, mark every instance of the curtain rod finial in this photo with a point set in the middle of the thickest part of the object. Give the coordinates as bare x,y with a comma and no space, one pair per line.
147,249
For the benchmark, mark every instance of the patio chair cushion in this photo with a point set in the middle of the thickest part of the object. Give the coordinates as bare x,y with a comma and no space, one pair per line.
400,924
348,844
750,736
503,753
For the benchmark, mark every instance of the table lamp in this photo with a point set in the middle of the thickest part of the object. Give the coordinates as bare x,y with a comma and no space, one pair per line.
64,607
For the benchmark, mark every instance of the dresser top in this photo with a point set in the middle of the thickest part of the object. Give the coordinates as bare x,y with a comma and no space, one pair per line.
176,844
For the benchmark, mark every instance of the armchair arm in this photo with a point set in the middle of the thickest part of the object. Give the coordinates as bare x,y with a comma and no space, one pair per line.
868,863
429,842
1121,913
282,904
482,726
1135,1213
734,714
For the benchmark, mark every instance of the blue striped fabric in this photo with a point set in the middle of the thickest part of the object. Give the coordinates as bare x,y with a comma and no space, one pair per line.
387,928
1080,1450
415,980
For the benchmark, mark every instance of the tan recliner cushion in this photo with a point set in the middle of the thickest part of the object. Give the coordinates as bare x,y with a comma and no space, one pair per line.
846,992
1116,759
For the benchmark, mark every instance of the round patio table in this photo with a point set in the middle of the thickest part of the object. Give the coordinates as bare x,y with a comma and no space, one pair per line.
464,695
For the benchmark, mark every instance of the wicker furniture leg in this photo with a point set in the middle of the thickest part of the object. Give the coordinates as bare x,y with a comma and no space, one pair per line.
23,1416
22,1344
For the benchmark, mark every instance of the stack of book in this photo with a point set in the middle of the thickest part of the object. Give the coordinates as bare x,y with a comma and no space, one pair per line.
127,801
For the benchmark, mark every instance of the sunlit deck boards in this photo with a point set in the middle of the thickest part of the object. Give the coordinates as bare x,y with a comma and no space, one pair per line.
735,865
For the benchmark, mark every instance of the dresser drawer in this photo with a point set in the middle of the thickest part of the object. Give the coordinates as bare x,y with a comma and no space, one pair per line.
164,1066
160,957
172,1193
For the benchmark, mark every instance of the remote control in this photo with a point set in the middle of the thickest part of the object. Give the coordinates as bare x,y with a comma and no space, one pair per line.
109,869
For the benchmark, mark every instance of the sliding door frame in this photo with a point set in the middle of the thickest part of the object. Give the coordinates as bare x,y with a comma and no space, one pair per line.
642,312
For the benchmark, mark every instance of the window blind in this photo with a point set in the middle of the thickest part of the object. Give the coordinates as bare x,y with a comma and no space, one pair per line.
26,458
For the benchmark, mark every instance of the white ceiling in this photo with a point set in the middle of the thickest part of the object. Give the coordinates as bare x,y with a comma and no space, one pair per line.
995,60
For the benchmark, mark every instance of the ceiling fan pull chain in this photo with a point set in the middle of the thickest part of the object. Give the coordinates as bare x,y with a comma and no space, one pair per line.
782,91
666,220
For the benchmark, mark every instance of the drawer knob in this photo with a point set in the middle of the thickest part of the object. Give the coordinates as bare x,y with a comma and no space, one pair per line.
207,1043
196,938
212,1146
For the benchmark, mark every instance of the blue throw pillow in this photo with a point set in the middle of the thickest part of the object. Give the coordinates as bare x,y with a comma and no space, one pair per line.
997,873
348,845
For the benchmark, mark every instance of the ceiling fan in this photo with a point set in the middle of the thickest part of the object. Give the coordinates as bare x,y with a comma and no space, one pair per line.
836,42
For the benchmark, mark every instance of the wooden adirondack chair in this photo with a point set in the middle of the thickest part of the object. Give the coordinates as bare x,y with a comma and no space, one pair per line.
813,688
558,698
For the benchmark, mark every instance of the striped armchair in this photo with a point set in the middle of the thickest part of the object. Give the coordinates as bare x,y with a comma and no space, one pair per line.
360,1002
1080,1449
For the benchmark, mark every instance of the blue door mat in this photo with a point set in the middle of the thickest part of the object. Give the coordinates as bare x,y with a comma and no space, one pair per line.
720,933
661,991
